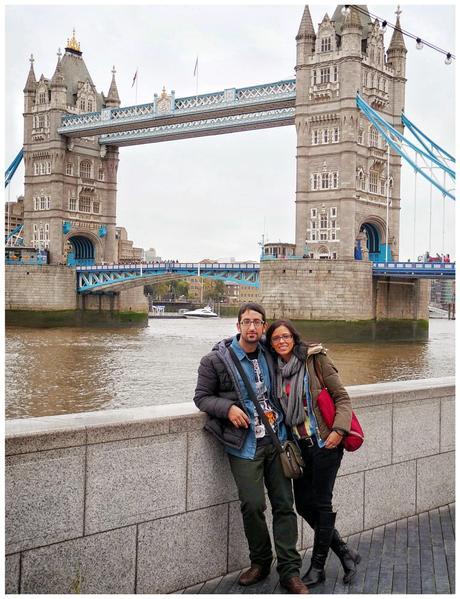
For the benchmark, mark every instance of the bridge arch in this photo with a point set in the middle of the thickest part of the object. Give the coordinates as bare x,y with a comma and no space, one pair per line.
82,249
373,228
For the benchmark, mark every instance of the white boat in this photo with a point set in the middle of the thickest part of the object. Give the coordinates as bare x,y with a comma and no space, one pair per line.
205,312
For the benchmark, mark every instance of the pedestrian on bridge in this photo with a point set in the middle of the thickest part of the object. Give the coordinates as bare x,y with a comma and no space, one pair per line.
254,460
297,388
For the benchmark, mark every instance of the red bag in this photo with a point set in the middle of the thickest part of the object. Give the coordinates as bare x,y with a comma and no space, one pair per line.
354,439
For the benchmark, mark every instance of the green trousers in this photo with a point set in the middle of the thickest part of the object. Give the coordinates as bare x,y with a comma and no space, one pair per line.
250,476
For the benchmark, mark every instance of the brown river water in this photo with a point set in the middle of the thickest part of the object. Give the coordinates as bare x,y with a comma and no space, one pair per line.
65,370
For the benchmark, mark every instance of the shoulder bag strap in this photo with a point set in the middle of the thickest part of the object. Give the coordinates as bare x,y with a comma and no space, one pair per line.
319,376
253,398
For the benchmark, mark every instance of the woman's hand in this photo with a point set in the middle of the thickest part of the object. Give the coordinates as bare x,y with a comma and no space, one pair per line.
333,440
237,417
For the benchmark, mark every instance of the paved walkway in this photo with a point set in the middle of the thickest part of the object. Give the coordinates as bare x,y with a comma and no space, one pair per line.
410,556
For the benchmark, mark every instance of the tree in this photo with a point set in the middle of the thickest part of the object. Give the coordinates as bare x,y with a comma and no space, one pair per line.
178,288
213,290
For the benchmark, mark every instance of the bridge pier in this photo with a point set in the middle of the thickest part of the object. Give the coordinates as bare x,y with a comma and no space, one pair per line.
46,296
345,292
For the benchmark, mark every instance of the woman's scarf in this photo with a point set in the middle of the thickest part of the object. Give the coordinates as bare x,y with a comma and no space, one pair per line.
292,372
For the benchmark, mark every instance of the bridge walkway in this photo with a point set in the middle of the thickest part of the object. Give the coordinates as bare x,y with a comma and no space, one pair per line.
413,555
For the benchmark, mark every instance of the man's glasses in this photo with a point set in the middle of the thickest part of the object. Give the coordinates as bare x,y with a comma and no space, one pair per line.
278,338
256,322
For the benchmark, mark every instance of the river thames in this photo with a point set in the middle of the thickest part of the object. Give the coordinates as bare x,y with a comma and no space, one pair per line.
65,370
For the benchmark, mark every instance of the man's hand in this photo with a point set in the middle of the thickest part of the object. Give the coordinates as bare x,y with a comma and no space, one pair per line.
333,440
237,417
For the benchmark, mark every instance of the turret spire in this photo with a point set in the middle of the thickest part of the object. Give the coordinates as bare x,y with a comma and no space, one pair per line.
397,39
306,28
57,80
31,79
113,99
352,19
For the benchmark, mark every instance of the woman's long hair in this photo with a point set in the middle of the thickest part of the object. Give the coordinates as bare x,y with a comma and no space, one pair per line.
298,343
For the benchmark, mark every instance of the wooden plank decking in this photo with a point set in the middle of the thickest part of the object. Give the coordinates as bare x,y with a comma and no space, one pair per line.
410,556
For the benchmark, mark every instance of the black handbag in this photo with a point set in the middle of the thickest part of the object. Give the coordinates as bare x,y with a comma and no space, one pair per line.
290,455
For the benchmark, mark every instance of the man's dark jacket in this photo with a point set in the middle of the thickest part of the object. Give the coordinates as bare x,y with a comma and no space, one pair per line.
218,388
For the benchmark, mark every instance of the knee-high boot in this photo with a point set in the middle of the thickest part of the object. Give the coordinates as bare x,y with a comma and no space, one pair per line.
324,529
348,557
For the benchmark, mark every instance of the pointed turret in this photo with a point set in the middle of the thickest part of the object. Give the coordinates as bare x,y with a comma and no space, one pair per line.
58,85
31,80
306,28
397,39
352,33
305,38
396,53
352,20
57,80
113,99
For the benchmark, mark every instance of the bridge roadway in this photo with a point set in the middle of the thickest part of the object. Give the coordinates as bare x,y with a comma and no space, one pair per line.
110,277
166,118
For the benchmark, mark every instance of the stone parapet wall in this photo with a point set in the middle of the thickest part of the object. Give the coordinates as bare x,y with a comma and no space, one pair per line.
317,289
38,288
142,500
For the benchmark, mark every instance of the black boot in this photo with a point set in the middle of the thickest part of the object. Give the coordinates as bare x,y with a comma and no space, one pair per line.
348,557
324,530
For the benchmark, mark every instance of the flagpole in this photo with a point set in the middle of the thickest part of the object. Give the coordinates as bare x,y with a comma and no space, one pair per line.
137,79
197,67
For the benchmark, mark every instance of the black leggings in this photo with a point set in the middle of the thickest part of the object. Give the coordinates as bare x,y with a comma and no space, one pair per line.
313,491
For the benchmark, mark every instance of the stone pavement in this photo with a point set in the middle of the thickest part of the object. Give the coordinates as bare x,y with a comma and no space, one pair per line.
410,556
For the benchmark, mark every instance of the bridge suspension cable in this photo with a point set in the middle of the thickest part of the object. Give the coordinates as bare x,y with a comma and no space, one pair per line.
401,145
13,166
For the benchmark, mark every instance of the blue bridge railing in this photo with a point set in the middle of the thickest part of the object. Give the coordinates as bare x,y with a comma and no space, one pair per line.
109,277
427,270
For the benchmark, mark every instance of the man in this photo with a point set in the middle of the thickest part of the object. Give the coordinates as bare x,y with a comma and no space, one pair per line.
254,460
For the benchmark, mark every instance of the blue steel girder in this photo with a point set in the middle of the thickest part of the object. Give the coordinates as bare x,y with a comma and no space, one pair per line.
94,279
229,102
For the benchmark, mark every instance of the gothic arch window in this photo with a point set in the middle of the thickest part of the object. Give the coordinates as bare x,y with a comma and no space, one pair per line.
373,181
369,79
361,179
373,137
326,44
42,96
85,170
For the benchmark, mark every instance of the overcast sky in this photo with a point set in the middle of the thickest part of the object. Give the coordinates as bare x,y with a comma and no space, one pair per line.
214,197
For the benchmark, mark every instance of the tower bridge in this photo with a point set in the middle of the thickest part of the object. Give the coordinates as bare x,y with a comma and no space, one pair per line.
348,183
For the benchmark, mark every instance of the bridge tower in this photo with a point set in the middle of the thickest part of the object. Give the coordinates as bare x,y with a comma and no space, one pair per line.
341,196
70,185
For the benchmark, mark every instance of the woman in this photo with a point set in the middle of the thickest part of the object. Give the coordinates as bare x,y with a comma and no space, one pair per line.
297,387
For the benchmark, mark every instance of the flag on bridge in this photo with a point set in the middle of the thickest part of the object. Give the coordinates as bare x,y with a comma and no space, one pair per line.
134,78
195,70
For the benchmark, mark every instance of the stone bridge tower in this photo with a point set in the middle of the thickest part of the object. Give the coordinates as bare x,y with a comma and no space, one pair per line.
70,185
341,197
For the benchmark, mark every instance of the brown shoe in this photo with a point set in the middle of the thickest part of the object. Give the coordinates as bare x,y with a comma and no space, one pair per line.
253,575
295,586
